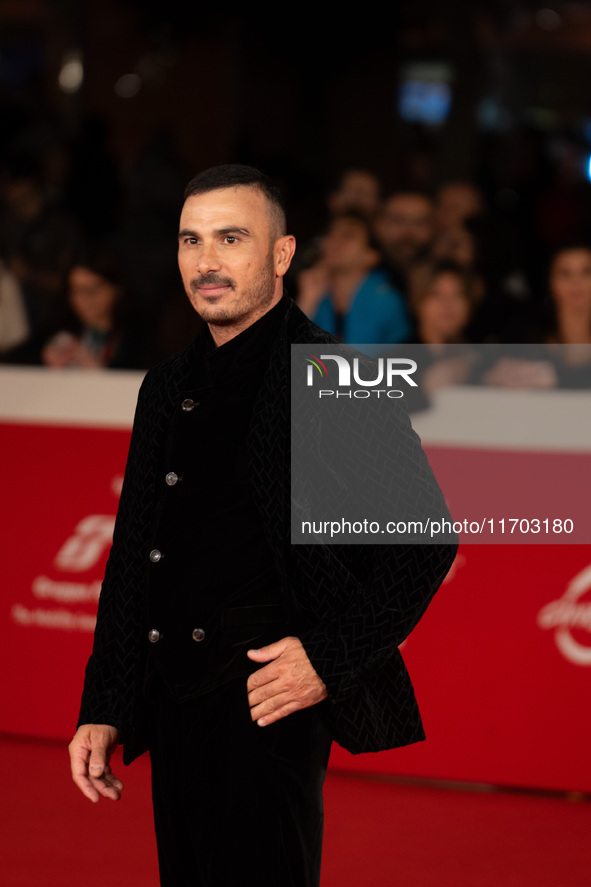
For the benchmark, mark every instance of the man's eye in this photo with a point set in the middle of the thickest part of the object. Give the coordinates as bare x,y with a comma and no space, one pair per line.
231,239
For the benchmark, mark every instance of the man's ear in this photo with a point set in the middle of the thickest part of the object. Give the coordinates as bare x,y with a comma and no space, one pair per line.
283,251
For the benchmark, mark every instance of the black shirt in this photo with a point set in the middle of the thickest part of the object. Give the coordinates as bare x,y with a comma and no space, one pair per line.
213,589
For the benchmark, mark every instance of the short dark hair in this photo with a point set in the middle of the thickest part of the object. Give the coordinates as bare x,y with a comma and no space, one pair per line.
236,175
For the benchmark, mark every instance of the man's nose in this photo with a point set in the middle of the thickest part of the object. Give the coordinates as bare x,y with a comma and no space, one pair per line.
209,260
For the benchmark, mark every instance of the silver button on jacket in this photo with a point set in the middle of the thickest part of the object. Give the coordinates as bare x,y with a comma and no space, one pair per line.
155,555
153,635
188,404
171,478
198,634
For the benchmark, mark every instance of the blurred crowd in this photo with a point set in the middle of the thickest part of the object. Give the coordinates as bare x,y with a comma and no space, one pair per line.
88,275
439,270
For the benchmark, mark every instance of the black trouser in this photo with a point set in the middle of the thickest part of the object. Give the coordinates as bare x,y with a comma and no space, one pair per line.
235,802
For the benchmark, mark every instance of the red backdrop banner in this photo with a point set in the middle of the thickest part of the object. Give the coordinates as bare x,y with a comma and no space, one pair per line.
60,492
501,662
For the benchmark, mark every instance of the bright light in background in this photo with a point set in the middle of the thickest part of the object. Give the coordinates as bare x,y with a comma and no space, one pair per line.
71,74
589,168
424,94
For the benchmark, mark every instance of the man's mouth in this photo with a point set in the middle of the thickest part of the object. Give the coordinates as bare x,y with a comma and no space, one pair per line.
211,288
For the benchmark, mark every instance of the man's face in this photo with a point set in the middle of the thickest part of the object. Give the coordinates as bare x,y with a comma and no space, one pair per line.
405,227
230,257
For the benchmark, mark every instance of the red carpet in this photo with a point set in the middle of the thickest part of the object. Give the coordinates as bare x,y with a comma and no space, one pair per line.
377,833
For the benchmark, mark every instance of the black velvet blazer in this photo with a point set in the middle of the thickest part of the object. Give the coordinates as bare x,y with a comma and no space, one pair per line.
352,606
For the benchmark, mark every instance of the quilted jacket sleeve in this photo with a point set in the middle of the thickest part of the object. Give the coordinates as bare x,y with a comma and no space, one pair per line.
386,607
384,589
115,654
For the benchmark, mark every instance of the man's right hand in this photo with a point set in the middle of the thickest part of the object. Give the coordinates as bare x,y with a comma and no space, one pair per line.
90,752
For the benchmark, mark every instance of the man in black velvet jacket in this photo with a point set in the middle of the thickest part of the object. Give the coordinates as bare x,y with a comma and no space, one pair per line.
234,656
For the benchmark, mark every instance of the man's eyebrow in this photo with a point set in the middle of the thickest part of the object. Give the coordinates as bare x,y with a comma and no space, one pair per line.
233,230
221,232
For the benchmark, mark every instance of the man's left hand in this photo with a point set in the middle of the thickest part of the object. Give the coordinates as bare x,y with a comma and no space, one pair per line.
287,684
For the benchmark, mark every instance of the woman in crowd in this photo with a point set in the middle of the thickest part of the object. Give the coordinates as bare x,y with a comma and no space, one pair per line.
563,357
570,292
96,337
442,297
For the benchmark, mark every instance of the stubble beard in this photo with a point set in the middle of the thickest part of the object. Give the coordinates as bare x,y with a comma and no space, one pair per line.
244,308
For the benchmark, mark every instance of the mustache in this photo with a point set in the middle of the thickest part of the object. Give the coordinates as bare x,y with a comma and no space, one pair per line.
211,279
